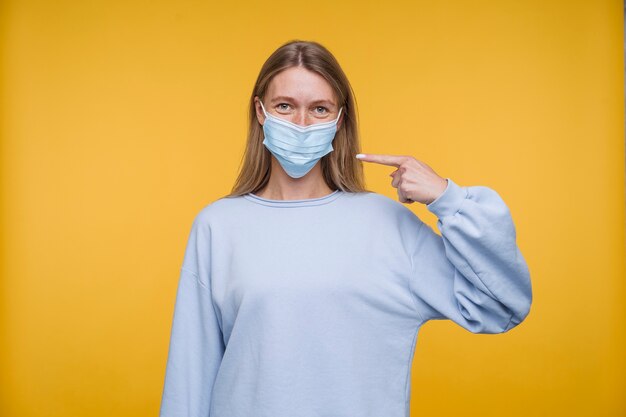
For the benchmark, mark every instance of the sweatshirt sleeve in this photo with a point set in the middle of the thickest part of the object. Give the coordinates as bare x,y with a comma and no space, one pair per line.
474,273
196,344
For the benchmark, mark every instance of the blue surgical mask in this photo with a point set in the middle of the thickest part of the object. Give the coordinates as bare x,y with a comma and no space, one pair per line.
298,148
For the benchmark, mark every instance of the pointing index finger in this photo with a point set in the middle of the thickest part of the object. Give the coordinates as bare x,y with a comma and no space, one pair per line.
392,160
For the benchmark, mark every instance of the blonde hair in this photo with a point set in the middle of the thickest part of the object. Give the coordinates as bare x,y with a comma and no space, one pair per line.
340,169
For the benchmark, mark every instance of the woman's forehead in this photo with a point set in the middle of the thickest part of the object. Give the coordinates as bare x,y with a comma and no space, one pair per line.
301,86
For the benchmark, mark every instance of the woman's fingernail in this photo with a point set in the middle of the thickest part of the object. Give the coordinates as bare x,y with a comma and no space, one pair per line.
360,155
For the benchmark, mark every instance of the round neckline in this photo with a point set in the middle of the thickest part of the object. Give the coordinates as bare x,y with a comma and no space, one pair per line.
317,201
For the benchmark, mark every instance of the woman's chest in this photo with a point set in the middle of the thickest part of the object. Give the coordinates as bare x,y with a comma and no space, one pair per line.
304,272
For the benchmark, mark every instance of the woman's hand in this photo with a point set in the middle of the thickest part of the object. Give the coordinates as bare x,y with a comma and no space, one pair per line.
414,180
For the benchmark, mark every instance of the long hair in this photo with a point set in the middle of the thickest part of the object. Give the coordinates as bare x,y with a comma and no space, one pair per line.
340,169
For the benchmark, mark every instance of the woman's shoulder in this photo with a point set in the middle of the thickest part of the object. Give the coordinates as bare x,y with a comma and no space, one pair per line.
372,199
379,210
217,208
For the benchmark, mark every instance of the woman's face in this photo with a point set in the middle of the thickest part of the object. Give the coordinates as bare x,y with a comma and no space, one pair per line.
299,96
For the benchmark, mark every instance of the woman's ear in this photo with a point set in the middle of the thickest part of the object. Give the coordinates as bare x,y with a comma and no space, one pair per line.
259,112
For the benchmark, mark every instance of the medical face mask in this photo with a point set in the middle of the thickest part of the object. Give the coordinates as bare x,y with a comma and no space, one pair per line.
298,148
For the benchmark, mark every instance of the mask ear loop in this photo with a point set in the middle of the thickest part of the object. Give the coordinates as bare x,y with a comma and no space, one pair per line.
263,107
339,114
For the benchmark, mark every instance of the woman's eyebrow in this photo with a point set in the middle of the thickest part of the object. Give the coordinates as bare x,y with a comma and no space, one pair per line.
286,98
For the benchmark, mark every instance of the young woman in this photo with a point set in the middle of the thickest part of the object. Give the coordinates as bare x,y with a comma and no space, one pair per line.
301,293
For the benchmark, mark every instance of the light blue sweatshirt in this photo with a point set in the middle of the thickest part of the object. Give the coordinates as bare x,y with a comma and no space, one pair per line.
311,308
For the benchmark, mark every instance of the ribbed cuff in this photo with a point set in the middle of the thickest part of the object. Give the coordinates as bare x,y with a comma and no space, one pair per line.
449,202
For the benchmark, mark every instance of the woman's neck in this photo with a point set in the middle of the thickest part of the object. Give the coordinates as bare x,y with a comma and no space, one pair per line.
282,187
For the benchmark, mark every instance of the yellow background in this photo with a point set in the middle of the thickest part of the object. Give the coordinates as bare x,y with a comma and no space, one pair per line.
120,120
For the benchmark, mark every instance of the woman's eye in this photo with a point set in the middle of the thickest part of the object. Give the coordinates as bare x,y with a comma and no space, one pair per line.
322,107
283,108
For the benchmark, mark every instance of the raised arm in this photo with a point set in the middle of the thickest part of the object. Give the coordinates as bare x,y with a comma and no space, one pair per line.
196,344
474,273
